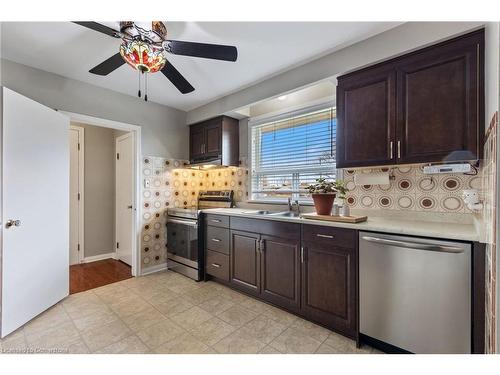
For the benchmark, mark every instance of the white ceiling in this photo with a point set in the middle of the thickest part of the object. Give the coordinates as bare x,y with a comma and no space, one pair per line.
264,49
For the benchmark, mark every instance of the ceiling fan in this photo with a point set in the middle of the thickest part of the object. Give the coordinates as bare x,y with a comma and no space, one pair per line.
144,47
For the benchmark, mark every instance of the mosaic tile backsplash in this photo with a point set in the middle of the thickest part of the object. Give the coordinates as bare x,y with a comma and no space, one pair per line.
412,190
171,185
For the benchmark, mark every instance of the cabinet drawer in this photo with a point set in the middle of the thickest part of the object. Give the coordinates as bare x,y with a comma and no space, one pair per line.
328,236
218,239
217,220
217,265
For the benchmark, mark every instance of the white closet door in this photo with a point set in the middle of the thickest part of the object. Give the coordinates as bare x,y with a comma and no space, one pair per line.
125,197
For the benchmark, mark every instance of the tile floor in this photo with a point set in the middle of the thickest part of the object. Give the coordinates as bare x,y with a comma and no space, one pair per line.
168,313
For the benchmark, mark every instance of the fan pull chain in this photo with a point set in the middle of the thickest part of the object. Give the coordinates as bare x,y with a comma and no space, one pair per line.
146,88
139,93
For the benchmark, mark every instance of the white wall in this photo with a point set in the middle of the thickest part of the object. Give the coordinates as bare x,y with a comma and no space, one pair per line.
164,132
399,40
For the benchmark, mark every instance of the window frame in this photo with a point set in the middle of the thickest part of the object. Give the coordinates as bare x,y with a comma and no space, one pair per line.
277,117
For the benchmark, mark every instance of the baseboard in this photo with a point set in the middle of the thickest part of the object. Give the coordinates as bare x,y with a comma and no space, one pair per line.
95,258
157,268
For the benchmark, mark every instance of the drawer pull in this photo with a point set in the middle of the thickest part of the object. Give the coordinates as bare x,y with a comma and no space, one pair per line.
215,240
215,220
215,265
324,236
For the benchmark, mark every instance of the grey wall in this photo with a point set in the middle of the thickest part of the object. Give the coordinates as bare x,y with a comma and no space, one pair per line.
163,129
99,190
396,41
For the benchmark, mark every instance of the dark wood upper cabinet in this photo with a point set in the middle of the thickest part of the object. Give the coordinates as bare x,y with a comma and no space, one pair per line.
245,261
280,271
196,142
329,277
439,95
422,107
215,139
366,115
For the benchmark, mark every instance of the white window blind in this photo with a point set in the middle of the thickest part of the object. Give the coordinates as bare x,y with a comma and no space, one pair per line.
292,152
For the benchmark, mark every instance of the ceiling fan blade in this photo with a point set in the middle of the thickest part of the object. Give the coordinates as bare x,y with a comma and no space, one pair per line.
176,78
208,51
100,28
107,66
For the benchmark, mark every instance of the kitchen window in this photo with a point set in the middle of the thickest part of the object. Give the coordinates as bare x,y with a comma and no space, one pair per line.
292,151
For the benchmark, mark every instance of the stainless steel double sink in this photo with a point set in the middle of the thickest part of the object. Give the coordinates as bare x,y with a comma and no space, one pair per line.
271,213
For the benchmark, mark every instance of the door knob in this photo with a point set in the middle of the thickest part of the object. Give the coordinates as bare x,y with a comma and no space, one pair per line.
12,223
129,207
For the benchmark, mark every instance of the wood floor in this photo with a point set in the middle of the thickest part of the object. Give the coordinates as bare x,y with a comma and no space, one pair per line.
93,275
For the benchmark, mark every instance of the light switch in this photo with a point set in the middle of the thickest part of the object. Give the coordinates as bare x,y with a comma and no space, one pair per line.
147,183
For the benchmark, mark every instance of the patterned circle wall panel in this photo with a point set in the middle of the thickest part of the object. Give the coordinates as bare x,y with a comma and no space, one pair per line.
351,200
366,188
404,184
427,184
427,203
350,185
451,183
385,201
451,203
405,202
367,201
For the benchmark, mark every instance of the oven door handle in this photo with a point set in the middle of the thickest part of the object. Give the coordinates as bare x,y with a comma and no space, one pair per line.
193,224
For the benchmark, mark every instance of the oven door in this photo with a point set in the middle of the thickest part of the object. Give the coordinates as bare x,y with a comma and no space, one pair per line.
182,241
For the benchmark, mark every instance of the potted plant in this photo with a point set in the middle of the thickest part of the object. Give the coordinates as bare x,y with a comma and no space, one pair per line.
323,194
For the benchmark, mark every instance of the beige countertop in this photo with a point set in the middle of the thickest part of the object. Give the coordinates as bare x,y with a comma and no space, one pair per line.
436,229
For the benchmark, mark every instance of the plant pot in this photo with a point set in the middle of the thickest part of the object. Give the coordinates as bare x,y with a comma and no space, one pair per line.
323,203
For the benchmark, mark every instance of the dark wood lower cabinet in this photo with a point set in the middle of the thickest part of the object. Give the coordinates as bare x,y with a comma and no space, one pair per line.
329,284
280,271
269,267
245,261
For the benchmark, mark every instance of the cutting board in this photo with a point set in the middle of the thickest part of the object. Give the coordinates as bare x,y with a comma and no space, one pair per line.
341,219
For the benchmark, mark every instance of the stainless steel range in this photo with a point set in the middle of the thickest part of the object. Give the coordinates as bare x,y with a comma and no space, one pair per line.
185,233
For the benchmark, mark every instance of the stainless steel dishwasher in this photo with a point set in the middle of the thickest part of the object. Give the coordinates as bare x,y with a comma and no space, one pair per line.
415,293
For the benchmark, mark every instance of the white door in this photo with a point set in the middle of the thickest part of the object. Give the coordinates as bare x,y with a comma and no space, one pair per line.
76,194
125,197
35,186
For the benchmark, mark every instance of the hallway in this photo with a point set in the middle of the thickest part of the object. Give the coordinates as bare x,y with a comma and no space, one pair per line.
92,275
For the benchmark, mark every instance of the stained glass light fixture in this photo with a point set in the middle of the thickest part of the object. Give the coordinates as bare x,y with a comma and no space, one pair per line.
144,57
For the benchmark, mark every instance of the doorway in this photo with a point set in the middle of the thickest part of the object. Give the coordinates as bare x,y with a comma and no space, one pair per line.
103,203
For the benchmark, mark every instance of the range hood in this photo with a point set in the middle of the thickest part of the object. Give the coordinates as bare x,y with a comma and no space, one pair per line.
204,164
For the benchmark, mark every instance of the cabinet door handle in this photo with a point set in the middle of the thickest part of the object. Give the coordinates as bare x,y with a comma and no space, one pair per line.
302,254
215,220
324,236
215,240
391,148
399,149
216,265
262,246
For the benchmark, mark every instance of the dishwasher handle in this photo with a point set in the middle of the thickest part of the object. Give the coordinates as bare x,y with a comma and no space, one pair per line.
414,245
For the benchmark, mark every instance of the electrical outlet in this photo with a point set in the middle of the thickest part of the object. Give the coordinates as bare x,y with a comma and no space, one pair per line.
147,183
